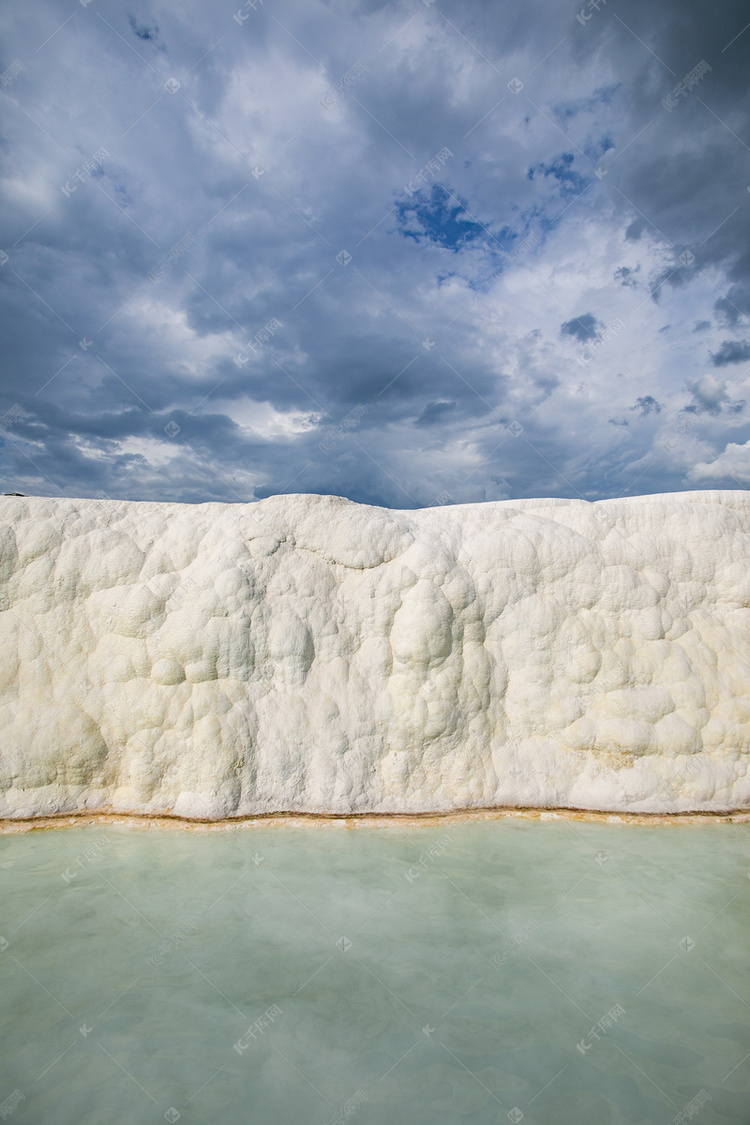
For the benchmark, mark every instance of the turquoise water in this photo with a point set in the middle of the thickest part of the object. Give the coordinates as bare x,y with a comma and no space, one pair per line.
488,971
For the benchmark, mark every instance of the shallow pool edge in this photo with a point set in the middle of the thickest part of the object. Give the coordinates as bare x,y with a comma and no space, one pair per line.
361,820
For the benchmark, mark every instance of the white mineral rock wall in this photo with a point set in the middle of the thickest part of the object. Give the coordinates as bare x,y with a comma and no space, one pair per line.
311,654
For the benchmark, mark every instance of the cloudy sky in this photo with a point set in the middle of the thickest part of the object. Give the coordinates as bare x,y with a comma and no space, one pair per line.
411,253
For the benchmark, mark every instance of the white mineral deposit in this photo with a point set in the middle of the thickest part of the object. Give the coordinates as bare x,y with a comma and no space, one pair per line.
307,653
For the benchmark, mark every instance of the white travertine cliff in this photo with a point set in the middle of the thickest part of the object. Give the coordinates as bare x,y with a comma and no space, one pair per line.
306,653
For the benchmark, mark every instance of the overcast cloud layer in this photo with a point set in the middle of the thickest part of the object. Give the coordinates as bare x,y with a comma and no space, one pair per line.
409,253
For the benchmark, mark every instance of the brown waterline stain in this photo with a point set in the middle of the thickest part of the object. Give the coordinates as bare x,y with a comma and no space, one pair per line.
362,820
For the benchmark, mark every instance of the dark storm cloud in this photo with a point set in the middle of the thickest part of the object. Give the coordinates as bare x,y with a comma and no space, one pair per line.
687,173
729,309
731,351
634,230
142,31
584,327
434,413
341,248
647,404
627,275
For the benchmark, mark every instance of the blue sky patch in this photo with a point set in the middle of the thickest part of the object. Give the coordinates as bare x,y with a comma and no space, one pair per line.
440,217
561,169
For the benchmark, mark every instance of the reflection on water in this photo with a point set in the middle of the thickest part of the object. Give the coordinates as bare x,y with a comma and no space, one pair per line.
479,972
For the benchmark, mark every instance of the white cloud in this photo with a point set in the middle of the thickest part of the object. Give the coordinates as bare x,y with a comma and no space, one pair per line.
731,467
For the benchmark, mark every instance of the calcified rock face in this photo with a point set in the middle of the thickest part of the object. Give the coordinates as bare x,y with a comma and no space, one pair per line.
309,653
